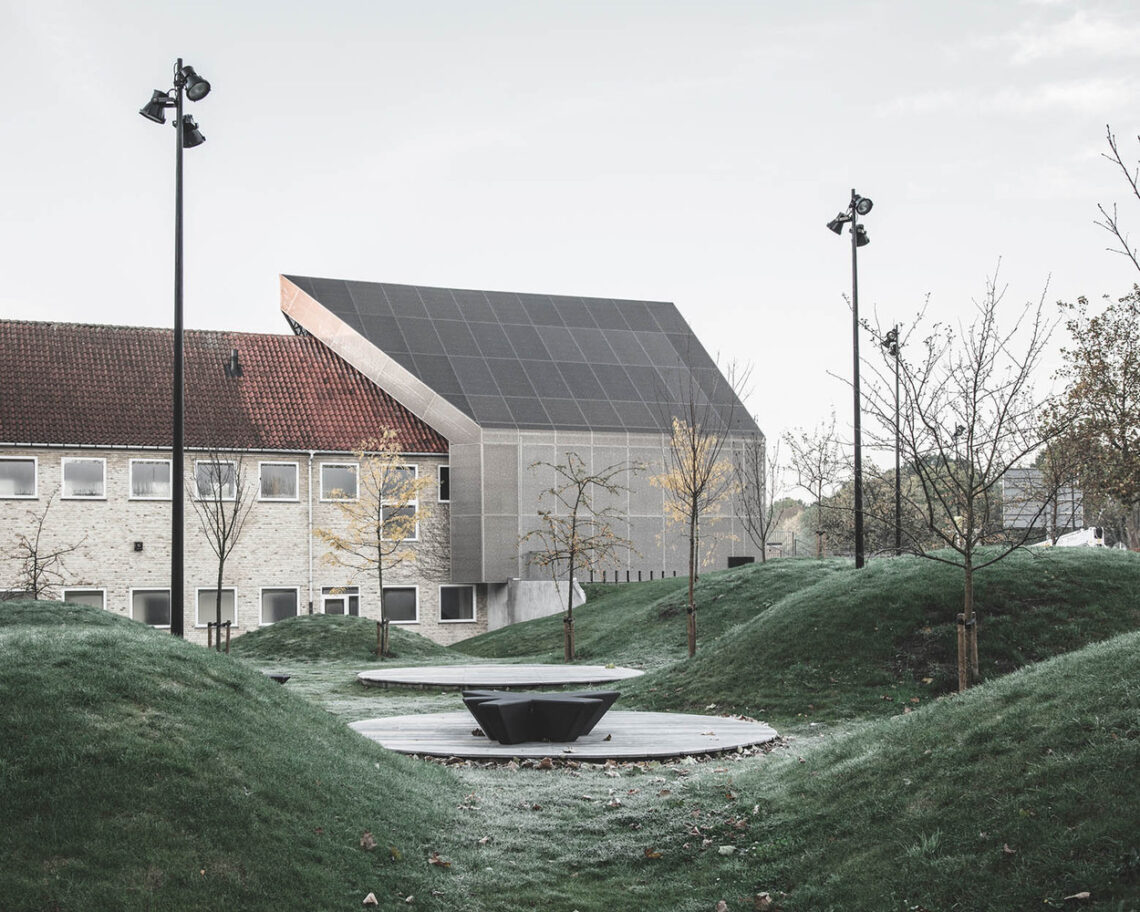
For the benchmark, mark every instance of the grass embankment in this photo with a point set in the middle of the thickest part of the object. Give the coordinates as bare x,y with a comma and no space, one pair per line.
320,637
1016,795
643,624
139,772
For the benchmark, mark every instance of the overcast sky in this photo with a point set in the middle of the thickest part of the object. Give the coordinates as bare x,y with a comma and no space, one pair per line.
687,152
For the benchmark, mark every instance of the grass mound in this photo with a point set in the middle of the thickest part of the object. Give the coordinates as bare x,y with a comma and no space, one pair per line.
138,772
644,623
857,643
331,637
1015,795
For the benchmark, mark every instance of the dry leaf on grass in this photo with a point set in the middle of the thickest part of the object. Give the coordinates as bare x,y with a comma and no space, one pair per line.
652,853
1084,894
370,900
367,841
434,859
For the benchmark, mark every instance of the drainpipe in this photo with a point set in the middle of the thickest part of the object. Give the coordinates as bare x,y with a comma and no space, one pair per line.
310,535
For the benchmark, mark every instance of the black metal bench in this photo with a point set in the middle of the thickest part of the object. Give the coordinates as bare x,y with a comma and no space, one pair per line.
512,718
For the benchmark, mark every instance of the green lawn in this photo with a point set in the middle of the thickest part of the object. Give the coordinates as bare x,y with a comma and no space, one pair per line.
140,772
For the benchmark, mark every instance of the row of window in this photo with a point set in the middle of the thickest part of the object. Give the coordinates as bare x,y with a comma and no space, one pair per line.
401,604
85,478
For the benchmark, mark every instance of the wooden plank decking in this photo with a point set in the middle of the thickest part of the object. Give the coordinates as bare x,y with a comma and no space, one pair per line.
484,676
620,735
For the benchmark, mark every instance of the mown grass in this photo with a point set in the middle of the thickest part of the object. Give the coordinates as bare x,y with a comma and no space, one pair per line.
643,624
1011,797
140,772
334,637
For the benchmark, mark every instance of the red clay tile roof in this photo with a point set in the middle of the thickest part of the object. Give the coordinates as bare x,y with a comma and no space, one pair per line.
69,383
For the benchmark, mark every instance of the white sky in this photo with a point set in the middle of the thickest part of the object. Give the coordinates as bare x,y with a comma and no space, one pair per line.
689,152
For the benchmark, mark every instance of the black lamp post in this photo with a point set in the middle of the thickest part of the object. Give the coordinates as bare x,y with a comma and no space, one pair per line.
858,206
186,136
891,343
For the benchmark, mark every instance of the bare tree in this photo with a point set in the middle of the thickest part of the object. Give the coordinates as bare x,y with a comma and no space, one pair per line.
578,532
819,467
223,495
1109,221
758,493
384,519
698,474
970,416
39,565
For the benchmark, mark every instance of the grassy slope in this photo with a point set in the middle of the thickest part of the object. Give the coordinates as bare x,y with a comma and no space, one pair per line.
837,648
140,772
644,623
325,636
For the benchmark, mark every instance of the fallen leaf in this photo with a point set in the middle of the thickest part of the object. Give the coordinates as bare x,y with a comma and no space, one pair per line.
367,841
484,840
536,807
410,900
478,733
395,853
608,738
762,902
613,803
370,900
721,906
1084,894
434,859
652,853
726,850
545,763
438,893
1008,851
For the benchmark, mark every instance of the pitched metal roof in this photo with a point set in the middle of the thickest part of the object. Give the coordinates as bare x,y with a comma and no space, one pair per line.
532,361
69,383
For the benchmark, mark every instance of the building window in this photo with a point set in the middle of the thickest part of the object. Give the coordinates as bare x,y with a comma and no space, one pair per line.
151,606
278,604
95,598
278,480
456,604
83,478
401,604
400,524
17,477
445,484
341,600
215,480
208,606
150,479
399,507
338,481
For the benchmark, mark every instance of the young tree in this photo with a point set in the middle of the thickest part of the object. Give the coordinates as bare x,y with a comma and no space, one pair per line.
818,466
757,491
970,416
578,531
385,516
222,496
1102,402
39,565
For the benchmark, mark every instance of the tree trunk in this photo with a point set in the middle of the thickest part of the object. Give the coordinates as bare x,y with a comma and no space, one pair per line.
967,632
1132,527
568,621
962,682
218,602
692,607
382,646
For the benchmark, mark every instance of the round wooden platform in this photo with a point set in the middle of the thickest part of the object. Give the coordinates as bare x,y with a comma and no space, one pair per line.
484,676
620,735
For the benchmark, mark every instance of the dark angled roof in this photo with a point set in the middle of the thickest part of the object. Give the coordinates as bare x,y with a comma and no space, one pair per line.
68,383
533,361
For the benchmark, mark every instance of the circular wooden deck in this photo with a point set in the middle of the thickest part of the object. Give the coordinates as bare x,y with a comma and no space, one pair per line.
620,735
484,676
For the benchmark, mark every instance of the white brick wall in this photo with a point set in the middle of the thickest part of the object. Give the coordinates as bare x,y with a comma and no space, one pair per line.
273,550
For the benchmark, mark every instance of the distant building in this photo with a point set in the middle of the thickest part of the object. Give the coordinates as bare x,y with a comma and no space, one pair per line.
478,385
1026,503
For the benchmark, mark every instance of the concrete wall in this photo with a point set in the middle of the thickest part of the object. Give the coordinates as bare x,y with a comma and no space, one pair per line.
525,600
273,551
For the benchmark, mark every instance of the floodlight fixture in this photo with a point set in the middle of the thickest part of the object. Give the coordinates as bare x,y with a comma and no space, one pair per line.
861,238
155,109
862,204
191,135
837,223
197,88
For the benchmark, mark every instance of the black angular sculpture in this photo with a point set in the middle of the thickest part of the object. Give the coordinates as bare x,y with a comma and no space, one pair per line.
512,718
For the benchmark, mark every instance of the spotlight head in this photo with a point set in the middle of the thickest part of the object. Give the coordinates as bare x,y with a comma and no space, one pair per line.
155,109
862,205
837,223
196,87
191,136
861,239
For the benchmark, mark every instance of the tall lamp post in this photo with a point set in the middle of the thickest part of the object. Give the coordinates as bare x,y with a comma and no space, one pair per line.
858,206
186,136
891,344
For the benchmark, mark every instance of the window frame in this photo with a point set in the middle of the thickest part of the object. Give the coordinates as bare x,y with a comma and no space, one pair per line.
64,461
355,466
296,481
131,604
209,496
474,603
35,461
439,470
261,622
348,593
198,625
103,592
416,590
414,504
131,495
